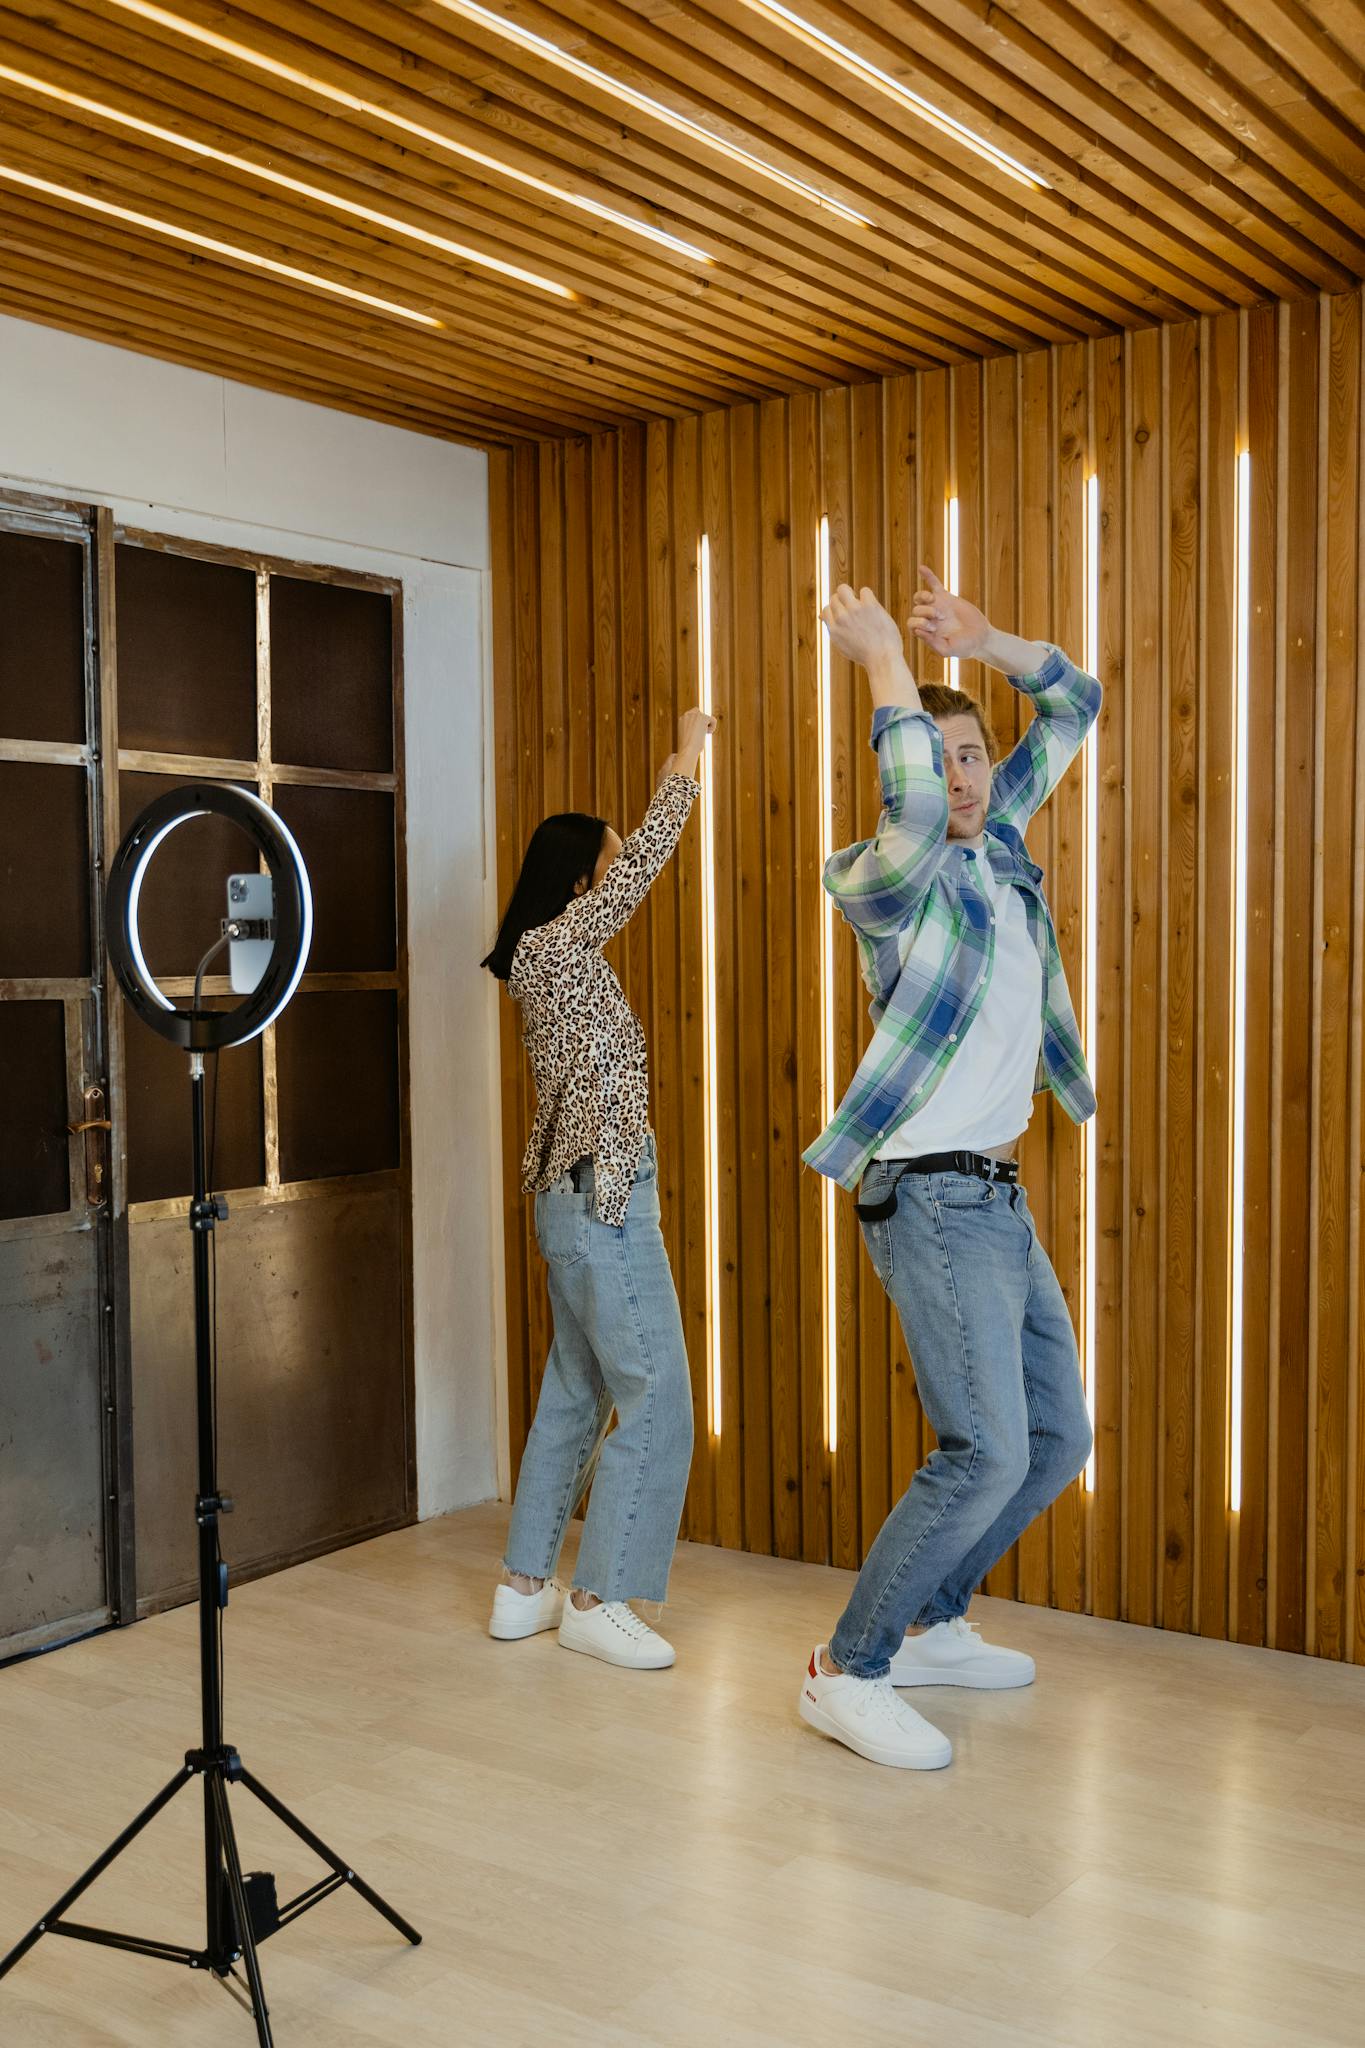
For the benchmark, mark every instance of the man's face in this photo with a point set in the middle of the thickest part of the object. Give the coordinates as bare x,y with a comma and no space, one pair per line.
967,769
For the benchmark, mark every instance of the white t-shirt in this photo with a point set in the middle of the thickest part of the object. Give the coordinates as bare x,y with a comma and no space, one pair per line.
985,1098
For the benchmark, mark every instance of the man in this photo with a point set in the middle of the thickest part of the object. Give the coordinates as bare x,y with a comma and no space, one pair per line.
971,1015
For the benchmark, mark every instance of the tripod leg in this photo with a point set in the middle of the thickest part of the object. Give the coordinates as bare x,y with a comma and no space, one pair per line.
243,1914
328,1856
97,1869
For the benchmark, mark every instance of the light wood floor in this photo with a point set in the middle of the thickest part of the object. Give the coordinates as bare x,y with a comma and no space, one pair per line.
1162,1841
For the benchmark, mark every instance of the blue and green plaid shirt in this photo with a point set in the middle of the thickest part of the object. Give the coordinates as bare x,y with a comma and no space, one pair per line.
924,925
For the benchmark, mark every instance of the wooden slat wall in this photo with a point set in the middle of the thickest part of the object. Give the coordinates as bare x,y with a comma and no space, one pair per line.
596,630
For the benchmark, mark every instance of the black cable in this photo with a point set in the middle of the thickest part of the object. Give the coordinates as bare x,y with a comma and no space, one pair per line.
214,950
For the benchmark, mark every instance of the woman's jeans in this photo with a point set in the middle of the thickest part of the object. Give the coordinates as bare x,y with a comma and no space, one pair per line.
618,1342
998,1377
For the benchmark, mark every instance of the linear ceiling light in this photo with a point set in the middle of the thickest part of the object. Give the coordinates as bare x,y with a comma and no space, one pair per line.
872,74
540,46
338,95
288,184
228,249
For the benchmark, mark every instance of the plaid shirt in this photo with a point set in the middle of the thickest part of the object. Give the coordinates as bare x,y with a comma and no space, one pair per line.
924,923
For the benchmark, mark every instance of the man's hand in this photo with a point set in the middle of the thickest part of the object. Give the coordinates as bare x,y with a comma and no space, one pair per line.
950,625
960,631
862,628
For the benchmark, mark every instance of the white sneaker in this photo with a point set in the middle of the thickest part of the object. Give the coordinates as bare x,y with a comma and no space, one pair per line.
525,1614
616,1634
865,1715
952,1653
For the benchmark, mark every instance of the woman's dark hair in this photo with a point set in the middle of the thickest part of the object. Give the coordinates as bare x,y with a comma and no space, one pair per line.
563,852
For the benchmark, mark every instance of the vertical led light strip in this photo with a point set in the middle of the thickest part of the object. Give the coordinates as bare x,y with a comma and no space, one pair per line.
952,571
1241,748
828,1098
1092,926
710,1059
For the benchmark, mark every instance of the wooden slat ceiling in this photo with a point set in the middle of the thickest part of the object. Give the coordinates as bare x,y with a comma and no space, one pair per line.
1178,156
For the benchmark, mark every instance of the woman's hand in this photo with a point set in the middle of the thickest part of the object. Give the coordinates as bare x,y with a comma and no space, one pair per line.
694,729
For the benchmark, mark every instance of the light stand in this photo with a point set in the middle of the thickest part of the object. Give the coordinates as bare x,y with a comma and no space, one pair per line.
240,1912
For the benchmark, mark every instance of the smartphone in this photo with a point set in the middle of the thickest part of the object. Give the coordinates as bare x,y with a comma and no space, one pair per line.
251,898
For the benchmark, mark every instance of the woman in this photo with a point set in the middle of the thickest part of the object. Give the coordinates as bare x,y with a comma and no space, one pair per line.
592,1166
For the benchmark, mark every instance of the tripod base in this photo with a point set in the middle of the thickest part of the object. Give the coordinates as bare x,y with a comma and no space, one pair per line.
241,1913
238,1922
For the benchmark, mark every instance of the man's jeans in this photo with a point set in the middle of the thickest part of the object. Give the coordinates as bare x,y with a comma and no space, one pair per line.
618,1342
998,1377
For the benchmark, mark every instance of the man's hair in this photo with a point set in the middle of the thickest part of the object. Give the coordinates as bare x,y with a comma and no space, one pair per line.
941,702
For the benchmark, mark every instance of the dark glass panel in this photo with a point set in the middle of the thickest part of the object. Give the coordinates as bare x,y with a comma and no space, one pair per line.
42,638
44,871
337,1058
186,655
346,838
331,676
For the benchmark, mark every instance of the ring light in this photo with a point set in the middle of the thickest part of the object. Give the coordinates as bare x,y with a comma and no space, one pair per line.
293,920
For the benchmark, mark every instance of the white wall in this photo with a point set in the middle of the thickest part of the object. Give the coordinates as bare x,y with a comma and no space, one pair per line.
179,452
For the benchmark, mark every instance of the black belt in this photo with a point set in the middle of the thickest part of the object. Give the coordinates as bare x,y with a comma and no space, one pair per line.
977,1164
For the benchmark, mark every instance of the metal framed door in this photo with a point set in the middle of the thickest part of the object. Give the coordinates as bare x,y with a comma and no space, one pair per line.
284,678
66,1524
128,662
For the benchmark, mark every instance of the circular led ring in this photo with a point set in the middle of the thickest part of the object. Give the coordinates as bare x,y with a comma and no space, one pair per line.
213,1031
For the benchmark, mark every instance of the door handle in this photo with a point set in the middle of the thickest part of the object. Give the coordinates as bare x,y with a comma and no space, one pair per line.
92,1127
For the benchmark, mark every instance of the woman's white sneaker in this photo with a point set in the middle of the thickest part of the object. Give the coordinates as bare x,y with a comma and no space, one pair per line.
865,1715
525,1614
616,1634
952,1653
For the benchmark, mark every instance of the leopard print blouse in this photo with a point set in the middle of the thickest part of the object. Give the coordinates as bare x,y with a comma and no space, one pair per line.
586,1044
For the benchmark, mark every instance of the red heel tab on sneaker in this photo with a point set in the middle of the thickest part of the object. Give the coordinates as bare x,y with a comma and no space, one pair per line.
813,1655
